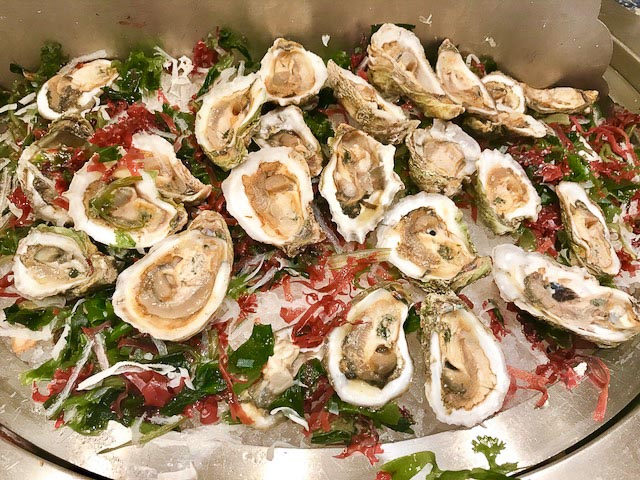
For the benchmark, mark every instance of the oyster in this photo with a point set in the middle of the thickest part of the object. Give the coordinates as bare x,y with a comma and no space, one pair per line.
270,196
442,157
176,288
125,211
398,67
55,260
367,358
429,241
559,99
467,378
358,182
376,116
228,117
505,194
65,135
75,88
460,83
291,74
173,178
568,297
505,91
285,127
587,228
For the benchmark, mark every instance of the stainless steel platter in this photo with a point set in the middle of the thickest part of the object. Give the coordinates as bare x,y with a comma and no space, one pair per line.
541,41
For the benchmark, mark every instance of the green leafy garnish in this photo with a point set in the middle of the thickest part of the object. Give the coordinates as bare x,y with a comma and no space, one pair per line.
251,356
412,323
214,72
139,73
207,380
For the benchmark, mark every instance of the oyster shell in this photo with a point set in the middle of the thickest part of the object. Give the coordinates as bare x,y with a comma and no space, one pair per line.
64,136
358,182
173,179
398,66
467,378
587,228
59,261
559,99
376,116
442,157
270,196
505,195
228,117
430,242
126,211
291,74
285,127
367,358
460,83
568,297
176,288
75,88
506,92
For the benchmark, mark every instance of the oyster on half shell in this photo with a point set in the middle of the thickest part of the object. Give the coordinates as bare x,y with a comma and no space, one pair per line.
559,99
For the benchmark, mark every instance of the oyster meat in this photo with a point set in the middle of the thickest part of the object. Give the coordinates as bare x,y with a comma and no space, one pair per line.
559,99
291,74
285,127
442,157
270,196
505,195
467,378
367,358
398,66
228,117
429,241
376,116
588,231
75,88
568,297
358,183
174,290
59,261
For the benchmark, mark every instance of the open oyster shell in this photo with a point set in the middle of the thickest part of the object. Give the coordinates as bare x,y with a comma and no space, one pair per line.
588,231
398,66
504,193
442,157
285,127
376,116
176,288
568,297
270,196
467,378
59,261
559,99
291,74
429,241
358,183
228,117
367,358
506,92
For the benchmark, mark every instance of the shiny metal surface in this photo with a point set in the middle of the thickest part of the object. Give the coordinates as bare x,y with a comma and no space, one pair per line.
544,42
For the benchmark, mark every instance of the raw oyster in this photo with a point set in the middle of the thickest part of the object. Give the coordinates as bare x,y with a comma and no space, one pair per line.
381,119
228,117
285,127
568,297
64,136
429,241
176,288
504,193
460,83
291,74
467,378
587,228
75,88
270,196
367,358
125,211
398,67
442,157
173,178
559,99
59,261
358,182
505,91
